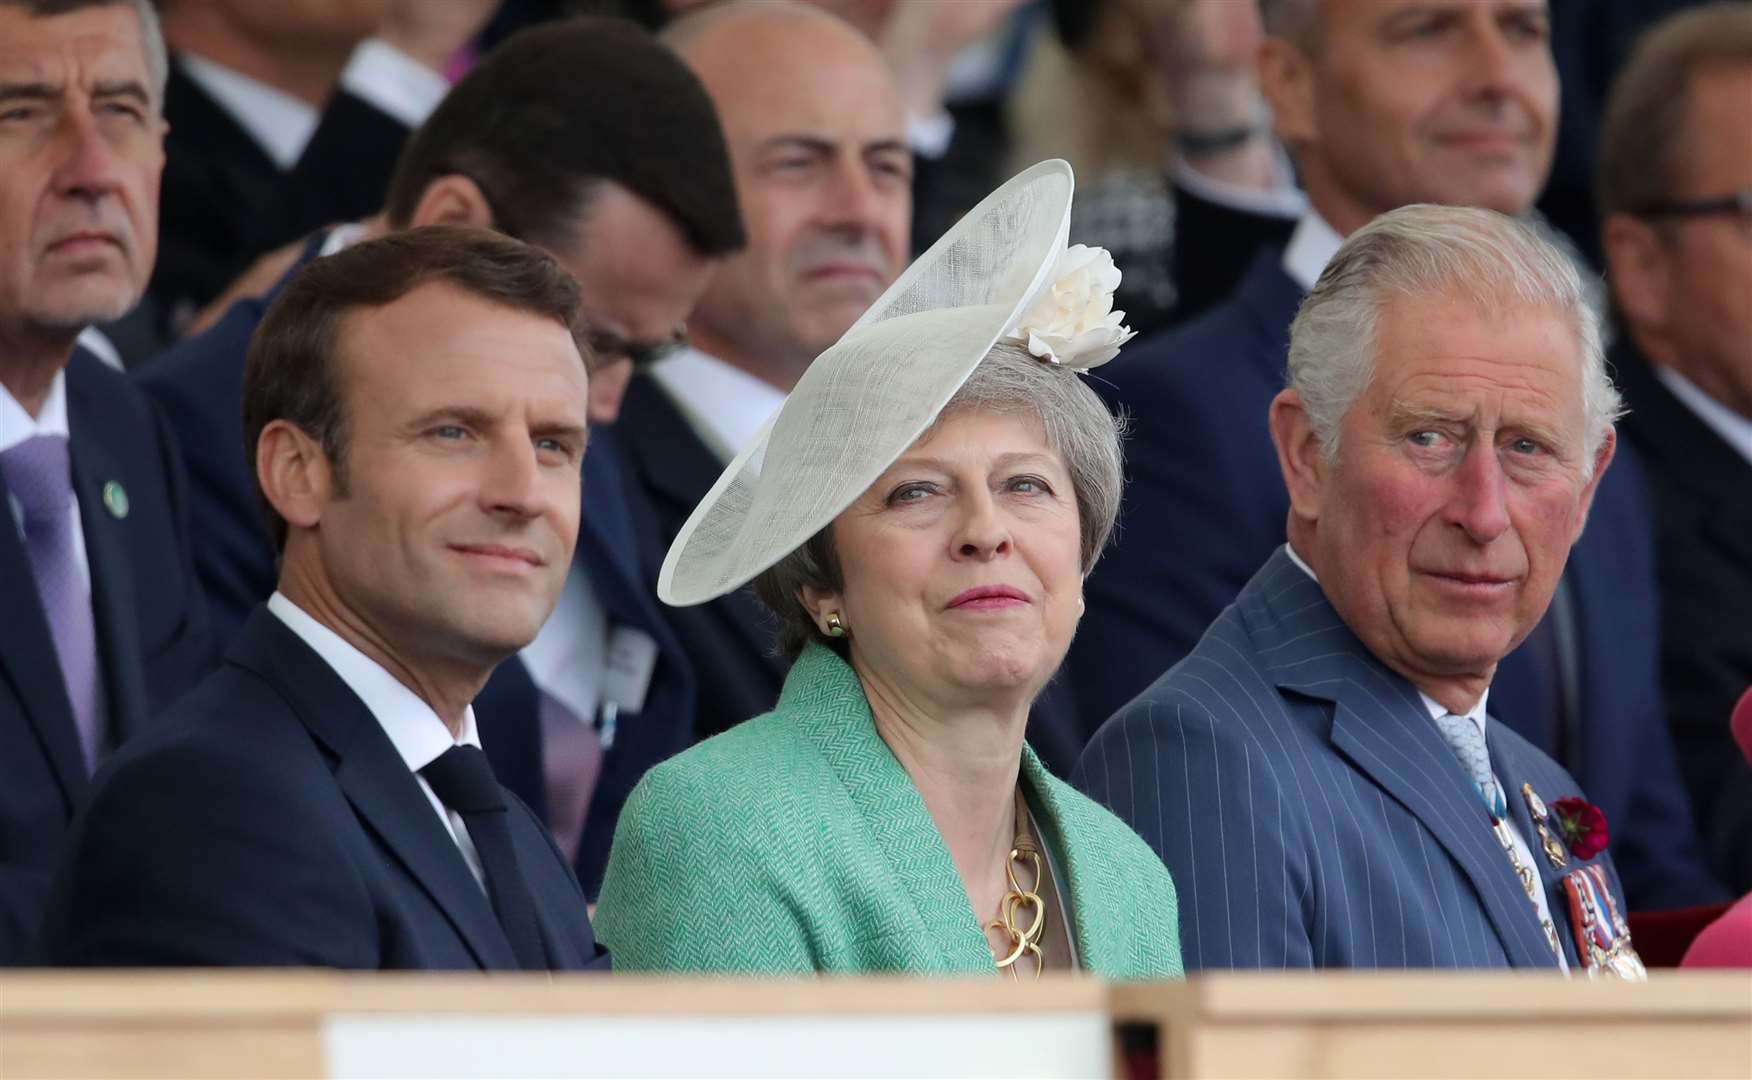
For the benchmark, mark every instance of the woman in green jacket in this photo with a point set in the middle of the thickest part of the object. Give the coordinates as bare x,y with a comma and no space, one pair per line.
920,514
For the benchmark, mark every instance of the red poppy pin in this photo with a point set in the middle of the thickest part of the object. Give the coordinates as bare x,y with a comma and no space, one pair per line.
1583,826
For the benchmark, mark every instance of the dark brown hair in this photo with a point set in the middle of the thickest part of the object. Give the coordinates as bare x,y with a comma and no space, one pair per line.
563,107
292,372
1645,127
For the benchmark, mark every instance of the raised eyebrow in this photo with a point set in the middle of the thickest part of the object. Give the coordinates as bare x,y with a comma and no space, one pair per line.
452,414
578,433
814,144
128,88
29,92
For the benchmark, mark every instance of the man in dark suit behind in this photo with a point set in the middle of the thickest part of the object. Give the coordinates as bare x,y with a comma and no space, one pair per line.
589,138
1385,104
101,624
1321,773
415,416
284,117
1675,180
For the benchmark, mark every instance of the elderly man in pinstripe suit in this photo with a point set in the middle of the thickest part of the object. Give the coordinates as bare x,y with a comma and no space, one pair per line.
1320,774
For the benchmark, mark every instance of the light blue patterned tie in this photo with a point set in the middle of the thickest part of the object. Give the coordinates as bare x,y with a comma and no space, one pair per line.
1467,742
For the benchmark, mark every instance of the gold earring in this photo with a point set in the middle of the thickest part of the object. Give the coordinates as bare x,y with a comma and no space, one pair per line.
835,628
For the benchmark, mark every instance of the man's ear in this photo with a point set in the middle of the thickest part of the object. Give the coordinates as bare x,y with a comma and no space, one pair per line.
1299,455
1640,270
1602,459
295,475
1286,78
452,199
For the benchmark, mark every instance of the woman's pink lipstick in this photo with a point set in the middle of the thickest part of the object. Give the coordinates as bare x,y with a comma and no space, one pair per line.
988,598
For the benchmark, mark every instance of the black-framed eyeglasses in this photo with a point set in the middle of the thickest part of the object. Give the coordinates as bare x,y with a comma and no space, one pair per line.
1738,204
643,354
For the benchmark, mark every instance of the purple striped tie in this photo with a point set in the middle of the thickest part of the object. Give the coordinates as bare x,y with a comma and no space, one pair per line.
39,473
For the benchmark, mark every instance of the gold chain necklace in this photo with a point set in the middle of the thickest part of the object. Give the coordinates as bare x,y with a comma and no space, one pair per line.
1021,904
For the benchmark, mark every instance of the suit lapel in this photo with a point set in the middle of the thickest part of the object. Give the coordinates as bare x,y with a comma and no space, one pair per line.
1689,452
113,597
824,698
375,780
1380,724
29,662
1091,878
670,458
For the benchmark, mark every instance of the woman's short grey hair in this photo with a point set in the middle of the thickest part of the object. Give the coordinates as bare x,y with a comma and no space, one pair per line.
1078,427
1481,256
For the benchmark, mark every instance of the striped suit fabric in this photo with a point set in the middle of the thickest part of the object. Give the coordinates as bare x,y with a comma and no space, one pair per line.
1308,809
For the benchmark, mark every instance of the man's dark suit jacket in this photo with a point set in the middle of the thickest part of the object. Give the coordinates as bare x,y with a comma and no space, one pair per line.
199,384
733,640
1311,813
1205,506
268,820
224,201
152,635
1703,546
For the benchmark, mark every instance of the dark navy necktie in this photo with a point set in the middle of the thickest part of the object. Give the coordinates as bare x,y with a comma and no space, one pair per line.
463,781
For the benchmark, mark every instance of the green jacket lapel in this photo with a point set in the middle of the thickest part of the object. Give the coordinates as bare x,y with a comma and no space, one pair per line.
824,696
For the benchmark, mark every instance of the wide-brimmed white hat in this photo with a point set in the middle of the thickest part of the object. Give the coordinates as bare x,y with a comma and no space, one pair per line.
1002,270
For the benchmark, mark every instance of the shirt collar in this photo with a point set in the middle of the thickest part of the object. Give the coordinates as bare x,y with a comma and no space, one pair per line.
1311,247
725,404
278,122
16,425
1734,429
1437,710
417,732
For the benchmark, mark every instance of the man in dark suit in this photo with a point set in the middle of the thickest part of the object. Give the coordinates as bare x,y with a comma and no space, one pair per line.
101,623
1676,182
414,412
1321,774
284,118
592,140
1357,90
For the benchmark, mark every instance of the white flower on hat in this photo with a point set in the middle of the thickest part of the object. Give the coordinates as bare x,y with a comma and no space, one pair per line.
1073,323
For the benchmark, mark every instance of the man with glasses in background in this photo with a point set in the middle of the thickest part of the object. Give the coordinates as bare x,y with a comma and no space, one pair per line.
1675,182
591,140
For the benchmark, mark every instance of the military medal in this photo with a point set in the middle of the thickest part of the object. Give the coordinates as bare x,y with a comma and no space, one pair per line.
1602,936
1554,851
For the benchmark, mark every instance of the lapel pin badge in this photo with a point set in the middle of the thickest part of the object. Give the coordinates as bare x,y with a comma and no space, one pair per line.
115,500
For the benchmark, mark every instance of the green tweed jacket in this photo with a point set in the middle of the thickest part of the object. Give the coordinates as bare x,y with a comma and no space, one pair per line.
796,843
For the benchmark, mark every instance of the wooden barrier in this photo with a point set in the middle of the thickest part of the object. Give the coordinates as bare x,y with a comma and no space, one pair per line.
314,1024
1425,1024
311,1024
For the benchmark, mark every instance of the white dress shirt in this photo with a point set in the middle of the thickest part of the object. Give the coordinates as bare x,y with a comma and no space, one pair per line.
725,405
282,125
1311,247
417,733
1734,429
1478,717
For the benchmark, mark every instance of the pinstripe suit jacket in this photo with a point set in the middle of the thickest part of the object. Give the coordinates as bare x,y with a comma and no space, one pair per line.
1308,809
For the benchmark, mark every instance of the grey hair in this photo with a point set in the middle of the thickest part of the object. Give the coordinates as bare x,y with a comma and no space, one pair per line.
1490,259
1009,381
151,33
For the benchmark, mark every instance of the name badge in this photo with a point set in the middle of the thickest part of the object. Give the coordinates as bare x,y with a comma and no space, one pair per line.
626,671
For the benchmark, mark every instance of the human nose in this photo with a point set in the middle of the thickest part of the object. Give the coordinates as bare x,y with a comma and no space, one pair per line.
982,532
89,168
1491,59
853,198
512,484
1480,504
